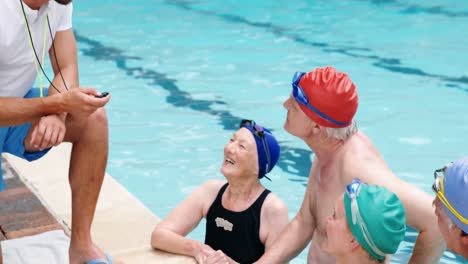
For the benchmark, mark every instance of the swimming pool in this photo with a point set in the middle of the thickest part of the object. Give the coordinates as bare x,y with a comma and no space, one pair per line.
183,73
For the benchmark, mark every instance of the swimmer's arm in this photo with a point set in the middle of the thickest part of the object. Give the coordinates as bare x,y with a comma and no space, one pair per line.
420,215
296,235
274,219
169,235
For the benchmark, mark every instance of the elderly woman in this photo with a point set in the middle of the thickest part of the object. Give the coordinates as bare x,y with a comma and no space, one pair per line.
242,217
367,224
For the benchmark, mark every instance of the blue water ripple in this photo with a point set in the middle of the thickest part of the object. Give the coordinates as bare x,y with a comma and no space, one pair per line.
300,158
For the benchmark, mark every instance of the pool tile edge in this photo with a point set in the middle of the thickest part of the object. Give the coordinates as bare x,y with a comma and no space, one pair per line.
122,224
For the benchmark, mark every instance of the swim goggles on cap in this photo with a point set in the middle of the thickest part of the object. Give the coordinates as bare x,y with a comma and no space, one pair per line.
300,97
352,190
438,188
260,132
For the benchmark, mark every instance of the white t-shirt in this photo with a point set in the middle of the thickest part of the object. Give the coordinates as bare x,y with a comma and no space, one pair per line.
17,69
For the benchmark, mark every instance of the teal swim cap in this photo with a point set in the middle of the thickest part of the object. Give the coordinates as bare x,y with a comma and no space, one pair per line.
376,218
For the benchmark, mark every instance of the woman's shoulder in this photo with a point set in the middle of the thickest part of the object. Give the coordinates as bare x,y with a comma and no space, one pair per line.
212,187
273,205
274,216
214,184
208,192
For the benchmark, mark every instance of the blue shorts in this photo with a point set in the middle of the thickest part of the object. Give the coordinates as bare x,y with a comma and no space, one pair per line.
12,139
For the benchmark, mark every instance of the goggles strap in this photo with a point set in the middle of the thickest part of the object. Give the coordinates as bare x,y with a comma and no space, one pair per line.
357,219
444,200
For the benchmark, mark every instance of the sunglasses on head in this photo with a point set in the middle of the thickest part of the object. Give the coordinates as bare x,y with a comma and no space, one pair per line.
259,131
438,188
300,96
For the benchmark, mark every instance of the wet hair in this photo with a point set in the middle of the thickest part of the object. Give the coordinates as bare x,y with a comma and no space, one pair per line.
63,2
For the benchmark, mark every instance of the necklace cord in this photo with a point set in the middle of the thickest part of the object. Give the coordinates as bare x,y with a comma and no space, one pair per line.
35,53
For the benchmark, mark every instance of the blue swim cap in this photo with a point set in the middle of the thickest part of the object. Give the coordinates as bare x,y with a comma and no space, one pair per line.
267,147
456,191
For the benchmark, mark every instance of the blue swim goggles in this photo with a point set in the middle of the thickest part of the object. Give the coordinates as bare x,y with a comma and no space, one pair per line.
299,95
352,190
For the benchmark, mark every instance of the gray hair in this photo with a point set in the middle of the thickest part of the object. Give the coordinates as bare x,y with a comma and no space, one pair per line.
342,133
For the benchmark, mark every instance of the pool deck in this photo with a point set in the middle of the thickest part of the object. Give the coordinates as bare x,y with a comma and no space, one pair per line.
39,194
21,212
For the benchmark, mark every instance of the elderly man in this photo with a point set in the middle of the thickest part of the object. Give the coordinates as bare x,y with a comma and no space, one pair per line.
451,188
321,112
30,126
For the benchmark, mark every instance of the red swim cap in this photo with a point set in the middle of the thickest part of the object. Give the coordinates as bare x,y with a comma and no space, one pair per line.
332,93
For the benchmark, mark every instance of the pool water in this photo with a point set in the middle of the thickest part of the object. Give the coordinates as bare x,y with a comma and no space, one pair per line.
183,73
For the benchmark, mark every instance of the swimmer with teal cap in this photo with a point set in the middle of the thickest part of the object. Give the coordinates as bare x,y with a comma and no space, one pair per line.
368,223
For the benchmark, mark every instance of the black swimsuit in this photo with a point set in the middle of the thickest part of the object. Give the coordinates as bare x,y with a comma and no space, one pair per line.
237,234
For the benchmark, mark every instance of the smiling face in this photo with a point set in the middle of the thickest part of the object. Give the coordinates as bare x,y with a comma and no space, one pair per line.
339,239
240,155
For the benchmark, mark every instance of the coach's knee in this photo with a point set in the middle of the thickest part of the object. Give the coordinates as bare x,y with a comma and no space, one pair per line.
98,118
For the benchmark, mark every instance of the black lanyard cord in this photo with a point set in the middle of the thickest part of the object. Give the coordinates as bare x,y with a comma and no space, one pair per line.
55,53
35,53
